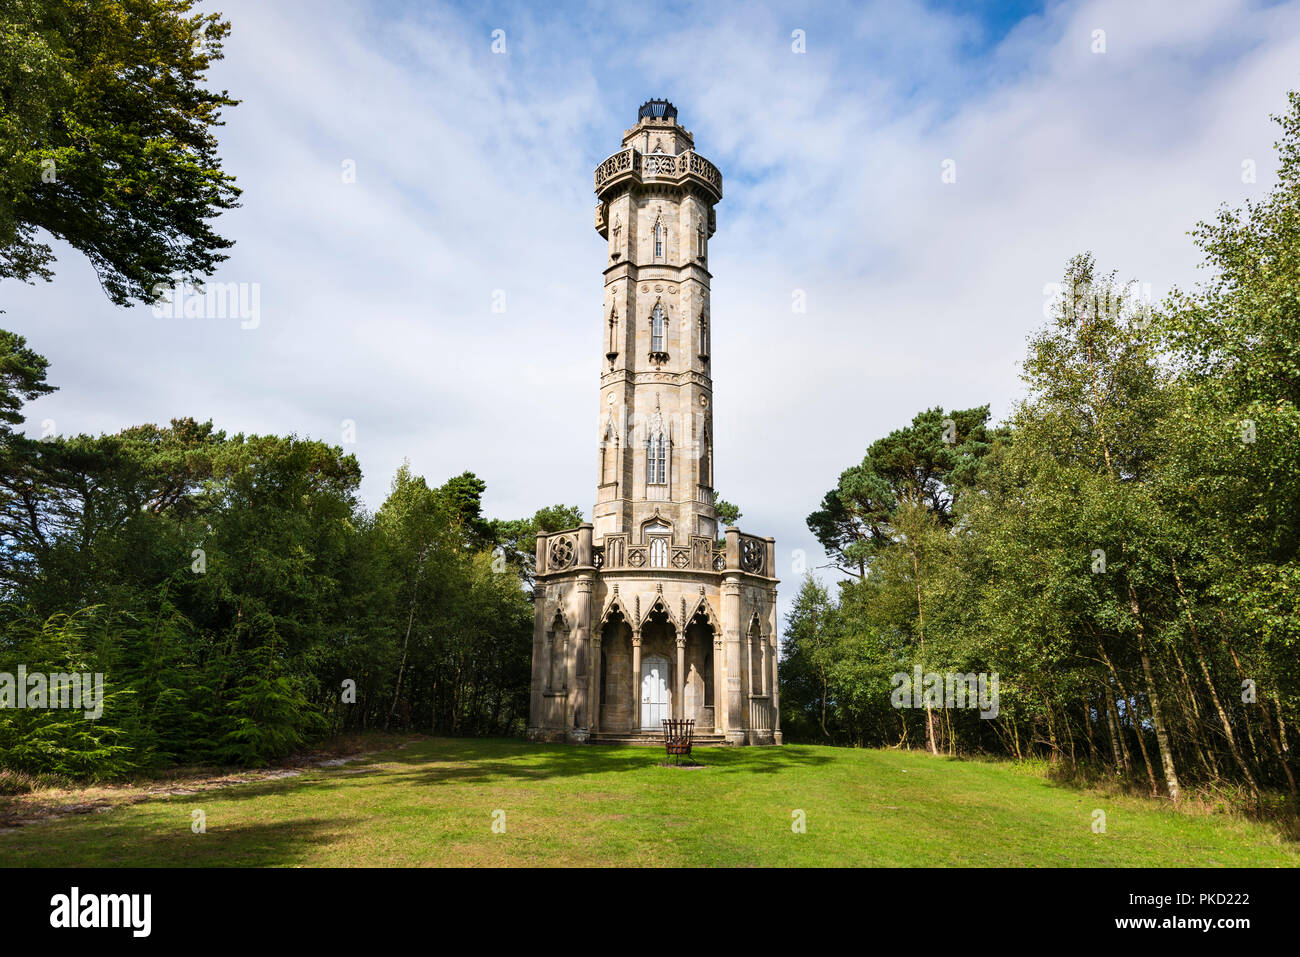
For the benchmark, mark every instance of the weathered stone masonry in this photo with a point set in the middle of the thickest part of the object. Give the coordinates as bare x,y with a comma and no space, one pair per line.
644,614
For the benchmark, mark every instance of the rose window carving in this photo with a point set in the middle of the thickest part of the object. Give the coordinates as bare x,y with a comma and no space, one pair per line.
562,552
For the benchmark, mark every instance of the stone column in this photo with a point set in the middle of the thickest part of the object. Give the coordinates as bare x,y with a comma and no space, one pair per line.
679,685
777,737
719,692
735,702
636,681
580,657
597,670
535,690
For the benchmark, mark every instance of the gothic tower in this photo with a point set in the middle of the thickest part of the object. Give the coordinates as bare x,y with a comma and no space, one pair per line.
647,612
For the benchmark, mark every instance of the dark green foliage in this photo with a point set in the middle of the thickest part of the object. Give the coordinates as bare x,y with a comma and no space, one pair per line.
106,140
728,514
233,593
1125,554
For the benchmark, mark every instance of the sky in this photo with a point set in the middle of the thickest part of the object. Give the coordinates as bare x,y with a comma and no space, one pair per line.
401,179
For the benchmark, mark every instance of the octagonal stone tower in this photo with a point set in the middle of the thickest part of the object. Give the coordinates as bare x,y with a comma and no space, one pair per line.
648,612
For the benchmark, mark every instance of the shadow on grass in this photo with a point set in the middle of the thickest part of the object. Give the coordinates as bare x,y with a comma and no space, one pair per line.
142,844
459,760
463,761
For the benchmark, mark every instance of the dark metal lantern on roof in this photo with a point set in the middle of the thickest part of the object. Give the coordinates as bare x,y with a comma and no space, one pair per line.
657,109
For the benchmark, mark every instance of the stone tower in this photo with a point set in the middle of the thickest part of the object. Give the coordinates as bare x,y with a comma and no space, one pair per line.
647,613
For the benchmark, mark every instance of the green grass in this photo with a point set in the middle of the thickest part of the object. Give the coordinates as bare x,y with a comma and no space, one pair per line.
432,802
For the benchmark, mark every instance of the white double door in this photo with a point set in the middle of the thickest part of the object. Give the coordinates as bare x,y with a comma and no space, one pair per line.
654,691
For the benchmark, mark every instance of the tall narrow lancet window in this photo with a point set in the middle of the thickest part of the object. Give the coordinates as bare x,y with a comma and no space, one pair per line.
704,336
609,454
706,461
658,325
661,235
657,460
699,240
657,534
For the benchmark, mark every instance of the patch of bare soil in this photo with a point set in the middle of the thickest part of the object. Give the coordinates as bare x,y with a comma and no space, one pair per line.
38,807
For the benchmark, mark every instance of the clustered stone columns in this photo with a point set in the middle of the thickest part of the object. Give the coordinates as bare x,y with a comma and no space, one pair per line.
719,694
777,737
679,699
535,712
579,666
735,721
636,680
581,660
594,672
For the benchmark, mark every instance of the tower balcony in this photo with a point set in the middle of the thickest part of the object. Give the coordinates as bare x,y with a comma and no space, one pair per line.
631,166
572,550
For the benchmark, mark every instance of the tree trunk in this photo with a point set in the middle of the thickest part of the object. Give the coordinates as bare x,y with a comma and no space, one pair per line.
1277,745
1131,708
920,630
1153,696
1233,749
406,642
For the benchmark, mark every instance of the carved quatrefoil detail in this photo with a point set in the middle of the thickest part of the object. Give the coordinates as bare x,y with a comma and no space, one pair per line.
562,552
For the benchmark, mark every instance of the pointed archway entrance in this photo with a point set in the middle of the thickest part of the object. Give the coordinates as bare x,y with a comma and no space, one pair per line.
655,700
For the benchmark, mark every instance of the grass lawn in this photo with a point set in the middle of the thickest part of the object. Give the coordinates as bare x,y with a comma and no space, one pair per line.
432,803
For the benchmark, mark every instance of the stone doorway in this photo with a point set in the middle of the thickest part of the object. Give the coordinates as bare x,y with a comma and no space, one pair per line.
655,698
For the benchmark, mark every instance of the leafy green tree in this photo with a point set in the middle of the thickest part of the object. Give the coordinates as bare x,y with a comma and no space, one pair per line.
517,538
806,662
925,465
22,379
107,143
728,514
892,512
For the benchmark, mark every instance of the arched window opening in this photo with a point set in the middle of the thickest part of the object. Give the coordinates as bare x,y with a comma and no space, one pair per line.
658,330
609,456
558,678
657,460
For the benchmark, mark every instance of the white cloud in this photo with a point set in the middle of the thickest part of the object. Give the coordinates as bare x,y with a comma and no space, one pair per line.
474,175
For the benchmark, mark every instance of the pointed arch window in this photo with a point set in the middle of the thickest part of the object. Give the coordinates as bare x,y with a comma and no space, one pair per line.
704,336
558,640
657,460
658,330
657,534
661,237
609,454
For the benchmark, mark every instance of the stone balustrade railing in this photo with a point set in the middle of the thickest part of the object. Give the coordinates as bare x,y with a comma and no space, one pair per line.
658,167
574,548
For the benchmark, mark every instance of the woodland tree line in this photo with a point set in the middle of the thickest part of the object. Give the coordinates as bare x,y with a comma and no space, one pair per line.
241,602
229,587
1122,551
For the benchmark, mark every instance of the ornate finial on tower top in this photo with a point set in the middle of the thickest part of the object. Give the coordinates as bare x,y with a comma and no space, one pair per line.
658,109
